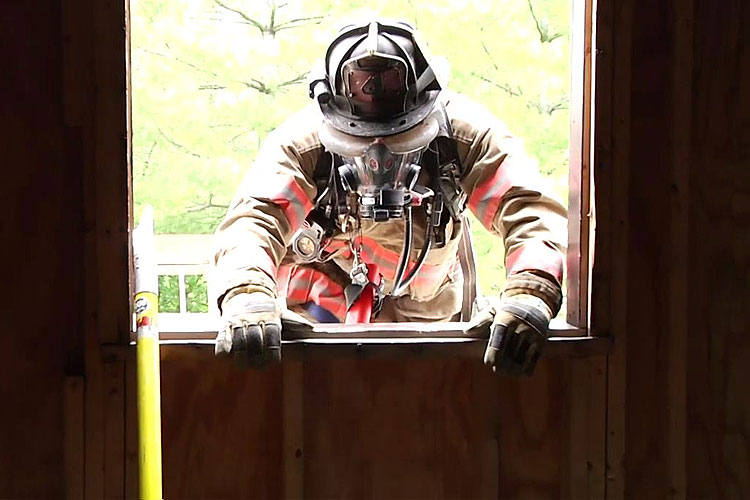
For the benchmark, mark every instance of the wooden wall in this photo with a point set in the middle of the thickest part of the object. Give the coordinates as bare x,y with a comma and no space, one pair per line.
684,431
366,429
42,242
718,347
667,415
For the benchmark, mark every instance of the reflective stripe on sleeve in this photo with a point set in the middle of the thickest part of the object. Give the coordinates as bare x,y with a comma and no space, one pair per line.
486,197
284,191
535,254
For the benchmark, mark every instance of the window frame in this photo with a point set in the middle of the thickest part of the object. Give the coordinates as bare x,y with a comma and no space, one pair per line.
576,328
580,208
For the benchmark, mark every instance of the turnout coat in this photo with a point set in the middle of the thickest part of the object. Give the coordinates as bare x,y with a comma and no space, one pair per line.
504,191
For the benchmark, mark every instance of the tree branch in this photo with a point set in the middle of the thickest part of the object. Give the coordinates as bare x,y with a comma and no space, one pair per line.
548,108
178,145
253,83
542,27
147,161
487,51
272,27
199,207
211,87
297,79
517,92
256,84
250,20
181,61
300,21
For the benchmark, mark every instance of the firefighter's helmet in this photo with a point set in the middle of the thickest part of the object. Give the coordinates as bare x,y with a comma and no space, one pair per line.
375,80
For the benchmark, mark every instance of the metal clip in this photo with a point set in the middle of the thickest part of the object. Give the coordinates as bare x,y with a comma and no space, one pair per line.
359,273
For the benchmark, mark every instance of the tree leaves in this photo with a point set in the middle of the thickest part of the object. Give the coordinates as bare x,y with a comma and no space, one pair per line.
211,78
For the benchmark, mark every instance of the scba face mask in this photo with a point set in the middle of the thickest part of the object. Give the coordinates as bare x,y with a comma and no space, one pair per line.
383,180
381,171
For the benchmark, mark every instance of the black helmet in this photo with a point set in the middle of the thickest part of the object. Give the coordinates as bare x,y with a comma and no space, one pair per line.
375,80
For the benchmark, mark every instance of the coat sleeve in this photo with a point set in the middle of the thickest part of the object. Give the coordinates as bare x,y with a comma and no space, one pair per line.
506,191
271,203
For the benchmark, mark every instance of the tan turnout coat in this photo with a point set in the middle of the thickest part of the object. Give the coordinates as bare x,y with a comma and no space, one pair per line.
505,192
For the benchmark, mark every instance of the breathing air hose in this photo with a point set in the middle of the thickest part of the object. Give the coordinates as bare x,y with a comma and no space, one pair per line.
406,249
399,287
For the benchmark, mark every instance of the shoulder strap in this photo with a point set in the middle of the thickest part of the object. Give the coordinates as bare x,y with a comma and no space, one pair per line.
449,167
330,193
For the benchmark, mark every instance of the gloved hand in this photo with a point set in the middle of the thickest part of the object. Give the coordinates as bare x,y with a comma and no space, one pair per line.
251,330
519,322
518,334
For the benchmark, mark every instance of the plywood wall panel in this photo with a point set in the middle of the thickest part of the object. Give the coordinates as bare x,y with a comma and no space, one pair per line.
427,429
41,245
221,431
718,461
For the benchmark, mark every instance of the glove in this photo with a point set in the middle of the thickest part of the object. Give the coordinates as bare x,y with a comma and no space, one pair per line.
518,334
520,322
251,330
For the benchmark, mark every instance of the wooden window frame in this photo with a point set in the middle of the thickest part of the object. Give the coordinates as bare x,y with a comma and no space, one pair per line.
578,334
580,209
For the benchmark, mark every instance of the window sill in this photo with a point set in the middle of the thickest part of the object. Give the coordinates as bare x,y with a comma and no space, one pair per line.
193,335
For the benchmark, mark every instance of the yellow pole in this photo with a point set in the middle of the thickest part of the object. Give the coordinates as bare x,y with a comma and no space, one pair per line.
147,352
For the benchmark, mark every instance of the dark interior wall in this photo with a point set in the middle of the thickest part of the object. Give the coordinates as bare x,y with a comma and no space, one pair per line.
685,417
41,228
718,399
687,410
650,253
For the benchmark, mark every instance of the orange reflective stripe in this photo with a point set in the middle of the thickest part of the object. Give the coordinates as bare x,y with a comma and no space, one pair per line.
304,284
284,191
486,197
387,260
535,254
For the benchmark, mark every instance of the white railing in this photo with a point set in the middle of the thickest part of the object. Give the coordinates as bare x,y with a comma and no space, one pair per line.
183,255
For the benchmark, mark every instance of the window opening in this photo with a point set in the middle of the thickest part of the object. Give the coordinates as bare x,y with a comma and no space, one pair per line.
211,78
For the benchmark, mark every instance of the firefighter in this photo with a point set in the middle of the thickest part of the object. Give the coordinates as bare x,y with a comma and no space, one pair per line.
357,203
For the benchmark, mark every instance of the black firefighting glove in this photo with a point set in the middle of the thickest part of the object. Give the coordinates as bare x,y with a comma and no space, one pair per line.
520,322
251,327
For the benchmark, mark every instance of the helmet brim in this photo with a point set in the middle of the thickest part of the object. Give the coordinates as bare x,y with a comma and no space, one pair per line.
353,125
414,139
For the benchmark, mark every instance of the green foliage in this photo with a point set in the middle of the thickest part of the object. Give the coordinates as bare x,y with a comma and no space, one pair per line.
196,292
169,294
210,78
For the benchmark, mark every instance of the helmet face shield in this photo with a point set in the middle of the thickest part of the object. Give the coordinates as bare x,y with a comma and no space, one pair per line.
375,85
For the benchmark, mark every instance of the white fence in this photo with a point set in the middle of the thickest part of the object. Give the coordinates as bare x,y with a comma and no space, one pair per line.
184,255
